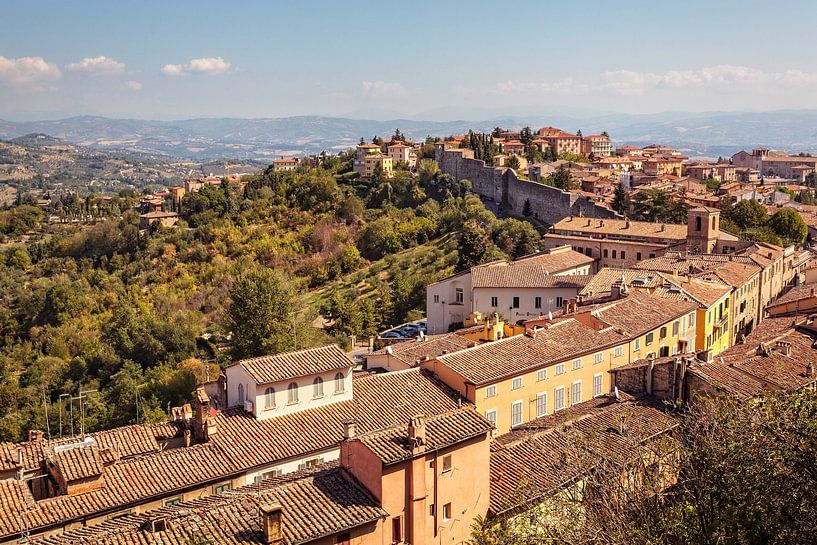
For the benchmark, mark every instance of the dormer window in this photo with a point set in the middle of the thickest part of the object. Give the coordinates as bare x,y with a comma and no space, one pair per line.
292,393
340,383
317,387
269,398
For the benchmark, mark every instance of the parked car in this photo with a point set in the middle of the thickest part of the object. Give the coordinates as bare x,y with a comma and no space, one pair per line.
392,335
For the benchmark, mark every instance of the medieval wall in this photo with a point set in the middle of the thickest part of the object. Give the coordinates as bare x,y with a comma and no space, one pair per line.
501,184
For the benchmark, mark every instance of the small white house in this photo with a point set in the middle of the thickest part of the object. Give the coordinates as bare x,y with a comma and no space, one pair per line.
269,386
517,290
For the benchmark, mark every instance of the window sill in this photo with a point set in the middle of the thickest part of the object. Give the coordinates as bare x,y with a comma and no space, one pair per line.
291,403
318,397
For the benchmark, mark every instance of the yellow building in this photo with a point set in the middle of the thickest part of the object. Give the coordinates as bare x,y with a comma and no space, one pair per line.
566,360
368,157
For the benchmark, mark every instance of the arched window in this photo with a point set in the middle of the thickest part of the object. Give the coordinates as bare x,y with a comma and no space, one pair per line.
340,385
317,387
269,398
241,394
292,393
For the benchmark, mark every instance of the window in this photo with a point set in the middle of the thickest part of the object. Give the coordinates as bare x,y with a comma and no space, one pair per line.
698,224
447,464
515,303
269,398
312,462
541,374
447,511
559,302
598,382
494,301
436,298
618,352
652,256
173,501
340,383
598,357
241,394
614,254
637,344
638,256
560,368
588,252
490,391
344,539
623,254
317,387
218,489
292,393
537,302
675,327
559,398
604,253
691,319
490,416
576,393
541,404
517,383
396,530
648,339
516,413
577,364
459,295
662,334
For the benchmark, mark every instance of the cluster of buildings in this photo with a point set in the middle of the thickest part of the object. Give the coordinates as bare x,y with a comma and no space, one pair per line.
533,371
369,158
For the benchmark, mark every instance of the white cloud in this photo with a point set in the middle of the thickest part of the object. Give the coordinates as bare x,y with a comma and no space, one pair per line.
210,66
726,76
97,65
562,86
383,89
133,85
27,71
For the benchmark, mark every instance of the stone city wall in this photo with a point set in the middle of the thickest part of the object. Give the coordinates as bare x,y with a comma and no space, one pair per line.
501,184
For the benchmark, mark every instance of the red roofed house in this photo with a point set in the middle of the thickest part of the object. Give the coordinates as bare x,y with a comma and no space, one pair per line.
597,144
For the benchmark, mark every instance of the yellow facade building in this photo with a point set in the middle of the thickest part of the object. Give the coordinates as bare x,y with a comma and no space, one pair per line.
563,361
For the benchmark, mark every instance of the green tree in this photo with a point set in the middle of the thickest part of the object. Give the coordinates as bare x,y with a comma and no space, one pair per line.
621,200
526,209
789,226
472,246
516,238
749,214
260,315
513,162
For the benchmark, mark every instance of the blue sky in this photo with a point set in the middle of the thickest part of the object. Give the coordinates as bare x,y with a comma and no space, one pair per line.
440,60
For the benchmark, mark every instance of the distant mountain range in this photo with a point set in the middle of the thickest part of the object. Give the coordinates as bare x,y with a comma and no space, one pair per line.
203,139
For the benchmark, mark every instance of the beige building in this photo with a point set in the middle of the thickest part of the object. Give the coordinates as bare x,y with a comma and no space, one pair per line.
518,290
775,163
564,143
599,145
402,153
368,158
564,361
285,164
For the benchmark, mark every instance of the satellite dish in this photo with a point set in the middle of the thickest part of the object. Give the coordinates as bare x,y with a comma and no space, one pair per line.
550,315
615,390
389,350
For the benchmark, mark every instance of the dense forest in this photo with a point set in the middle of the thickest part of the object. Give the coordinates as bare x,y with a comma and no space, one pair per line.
138,318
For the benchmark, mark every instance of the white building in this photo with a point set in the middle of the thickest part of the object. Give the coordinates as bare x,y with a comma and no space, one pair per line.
518,290
271,386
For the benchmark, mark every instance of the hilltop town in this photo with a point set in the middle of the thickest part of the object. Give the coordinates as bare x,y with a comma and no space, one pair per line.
440,341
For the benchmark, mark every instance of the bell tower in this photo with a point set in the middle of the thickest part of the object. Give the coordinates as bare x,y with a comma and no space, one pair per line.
703,229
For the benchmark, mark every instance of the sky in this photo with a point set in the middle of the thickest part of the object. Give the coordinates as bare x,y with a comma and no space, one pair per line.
432,60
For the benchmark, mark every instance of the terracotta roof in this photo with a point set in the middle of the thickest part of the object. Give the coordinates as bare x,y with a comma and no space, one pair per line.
241,443
434,345
391,445
524,276
558,341
77,463
600,285
622,228
639,312
380,401
314,505
704,292
550,453
277,367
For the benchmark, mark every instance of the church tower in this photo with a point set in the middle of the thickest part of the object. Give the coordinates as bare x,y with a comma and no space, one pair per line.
703,229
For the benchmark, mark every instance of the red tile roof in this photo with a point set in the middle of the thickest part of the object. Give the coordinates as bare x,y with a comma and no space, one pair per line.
311,361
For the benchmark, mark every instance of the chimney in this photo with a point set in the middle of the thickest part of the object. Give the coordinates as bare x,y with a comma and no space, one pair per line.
783,347
35,435
572,306
417,434
204,424
272,515
663,226
349,429
626,223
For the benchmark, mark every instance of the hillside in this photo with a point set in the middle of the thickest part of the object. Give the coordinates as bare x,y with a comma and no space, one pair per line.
202,139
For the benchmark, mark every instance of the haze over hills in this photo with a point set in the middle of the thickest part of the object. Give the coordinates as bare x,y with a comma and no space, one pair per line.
698,134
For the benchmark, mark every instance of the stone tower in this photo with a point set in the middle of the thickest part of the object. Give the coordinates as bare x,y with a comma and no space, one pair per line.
703,229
